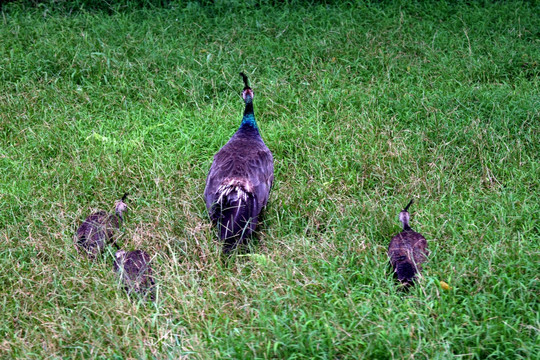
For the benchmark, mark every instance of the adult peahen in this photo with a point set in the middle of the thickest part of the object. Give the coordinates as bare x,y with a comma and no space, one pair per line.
99,229
240,178
407,250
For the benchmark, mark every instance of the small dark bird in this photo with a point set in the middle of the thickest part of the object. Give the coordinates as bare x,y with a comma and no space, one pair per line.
240,178
100,228
407,251
136,273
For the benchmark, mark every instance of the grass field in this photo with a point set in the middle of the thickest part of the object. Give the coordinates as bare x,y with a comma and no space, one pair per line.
363,107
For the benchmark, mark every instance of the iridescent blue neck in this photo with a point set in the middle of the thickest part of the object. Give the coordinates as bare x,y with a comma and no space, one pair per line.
248,121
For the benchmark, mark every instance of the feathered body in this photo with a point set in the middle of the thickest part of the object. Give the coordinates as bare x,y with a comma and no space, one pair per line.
239,180
99,229
407,251
135,271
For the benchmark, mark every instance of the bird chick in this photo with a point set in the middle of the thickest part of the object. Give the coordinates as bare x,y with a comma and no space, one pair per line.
135,272
407,251
99,229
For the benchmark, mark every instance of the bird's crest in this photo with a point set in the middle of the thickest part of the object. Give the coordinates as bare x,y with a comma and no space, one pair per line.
409,204
404,216
245,78
247,95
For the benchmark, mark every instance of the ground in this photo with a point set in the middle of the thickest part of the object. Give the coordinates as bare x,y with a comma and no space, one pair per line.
363,106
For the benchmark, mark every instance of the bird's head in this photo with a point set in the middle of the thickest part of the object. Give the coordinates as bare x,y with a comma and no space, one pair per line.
247,93
120,206
404,216
119,258
119,255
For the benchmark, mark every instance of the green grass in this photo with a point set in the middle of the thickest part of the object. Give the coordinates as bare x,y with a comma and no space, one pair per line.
363,107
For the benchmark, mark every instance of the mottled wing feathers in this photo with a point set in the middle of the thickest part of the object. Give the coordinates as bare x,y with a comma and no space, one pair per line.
96,231
238,186
238,161
409,243
264,162
136,273
407,251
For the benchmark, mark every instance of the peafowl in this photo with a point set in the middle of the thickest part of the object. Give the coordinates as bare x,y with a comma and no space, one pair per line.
407,251
99,229
136,273
240,179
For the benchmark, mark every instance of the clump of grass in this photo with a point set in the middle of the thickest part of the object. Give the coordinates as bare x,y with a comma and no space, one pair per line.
363,106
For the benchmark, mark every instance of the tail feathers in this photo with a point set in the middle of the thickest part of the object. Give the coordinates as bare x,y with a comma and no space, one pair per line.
236,215
406,272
